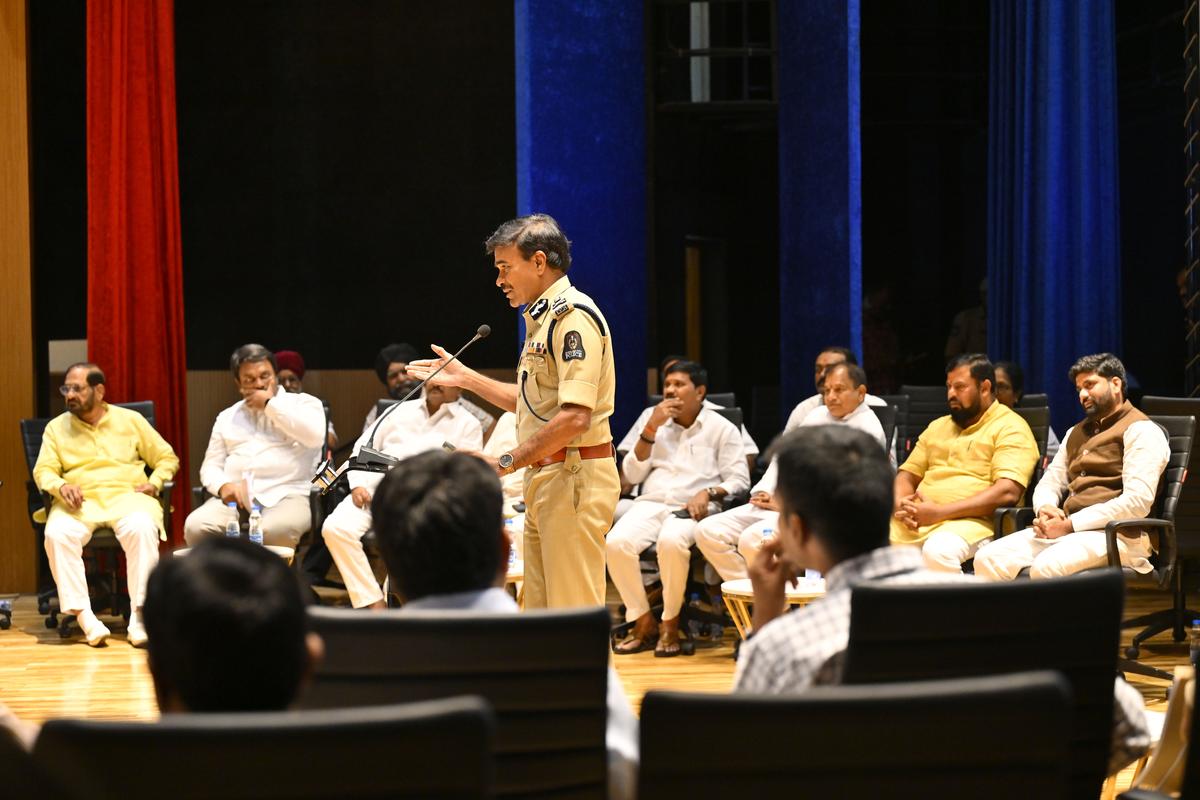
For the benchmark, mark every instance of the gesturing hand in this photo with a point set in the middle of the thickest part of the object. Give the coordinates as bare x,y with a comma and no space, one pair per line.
452,375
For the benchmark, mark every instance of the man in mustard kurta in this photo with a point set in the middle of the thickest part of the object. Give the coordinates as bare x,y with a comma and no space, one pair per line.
563,398
965,465
93,463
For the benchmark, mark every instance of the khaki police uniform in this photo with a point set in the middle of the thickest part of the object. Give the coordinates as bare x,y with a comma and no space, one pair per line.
570,500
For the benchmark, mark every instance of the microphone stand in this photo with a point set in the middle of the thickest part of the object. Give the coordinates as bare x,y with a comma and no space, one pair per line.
368,459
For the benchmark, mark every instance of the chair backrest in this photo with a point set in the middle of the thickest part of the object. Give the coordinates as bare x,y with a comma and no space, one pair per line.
1072,624
734,415
925,404
1034,401
143,407
1187,509
1038,418
900,401
545,674
940,739
439,749
722,399
887,418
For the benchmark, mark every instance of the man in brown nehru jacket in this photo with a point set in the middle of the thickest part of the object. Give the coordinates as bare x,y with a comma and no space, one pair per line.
1107,469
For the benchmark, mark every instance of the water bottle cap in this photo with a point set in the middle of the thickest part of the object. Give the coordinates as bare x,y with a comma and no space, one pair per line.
232,504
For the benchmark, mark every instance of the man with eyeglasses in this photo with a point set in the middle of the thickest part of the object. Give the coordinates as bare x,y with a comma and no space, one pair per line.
93,464
263,451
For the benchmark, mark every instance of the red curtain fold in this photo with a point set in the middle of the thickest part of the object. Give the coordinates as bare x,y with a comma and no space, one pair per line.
135,266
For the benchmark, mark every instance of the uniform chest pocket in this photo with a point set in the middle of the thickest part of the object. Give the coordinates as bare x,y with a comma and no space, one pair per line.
972,454
535,377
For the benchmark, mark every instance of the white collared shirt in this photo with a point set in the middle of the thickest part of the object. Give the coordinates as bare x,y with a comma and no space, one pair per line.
862,418
683,461
630,440
410,429
1146,456
806,406
280,445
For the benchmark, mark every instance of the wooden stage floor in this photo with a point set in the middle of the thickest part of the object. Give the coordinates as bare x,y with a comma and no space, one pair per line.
42,676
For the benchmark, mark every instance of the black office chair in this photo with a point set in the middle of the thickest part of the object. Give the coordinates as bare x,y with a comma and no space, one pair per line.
1034,401
996,737
1072,624
900,401
887,418
925,404
103,541
544,672
424,750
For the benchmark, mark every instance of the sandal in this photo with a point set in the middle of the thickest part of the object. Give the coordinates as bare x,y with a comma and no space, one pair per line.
634,644
668,644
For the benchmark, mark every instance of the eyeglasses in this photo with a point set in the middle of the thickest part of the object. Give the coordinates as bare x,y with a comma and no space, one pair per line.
67,388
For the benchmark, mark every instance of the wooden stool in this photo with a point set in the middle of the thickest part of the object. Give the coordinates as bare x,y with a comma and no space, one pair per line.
739,595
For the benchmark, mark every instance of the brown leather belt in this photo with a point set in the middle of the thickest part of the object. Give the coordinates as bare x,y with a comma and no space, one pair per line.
594,451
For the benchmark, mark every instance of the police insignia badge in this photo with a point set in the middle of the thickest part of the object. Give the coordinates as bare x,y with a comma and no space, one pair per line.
561,306
538,308
573,347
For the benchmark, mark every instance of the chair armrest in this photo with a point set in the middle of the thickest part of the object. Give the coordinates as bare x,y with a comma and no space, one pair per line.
198,494
316,511
1021,517
1166,542
164,498
1143,794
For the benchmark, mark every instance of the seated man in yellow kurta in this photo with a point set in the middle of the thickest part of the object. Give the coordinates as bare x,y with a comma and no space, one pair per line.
93,463
965,466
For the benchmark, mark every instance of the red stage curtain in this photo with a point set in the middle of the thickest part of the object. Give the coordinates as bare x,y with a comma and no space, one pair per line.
135,269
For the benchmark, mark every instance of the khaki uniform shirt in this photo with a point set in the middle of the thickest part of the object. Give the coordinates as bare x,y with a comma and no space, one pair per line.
567,358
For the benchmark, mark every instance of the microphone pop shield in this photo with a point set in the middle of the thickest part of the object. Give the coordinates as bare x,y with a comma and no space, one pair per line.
484,331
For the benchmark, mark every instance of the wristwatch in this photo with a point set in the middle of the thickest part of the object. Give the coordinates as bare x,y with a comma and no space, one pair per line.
506,463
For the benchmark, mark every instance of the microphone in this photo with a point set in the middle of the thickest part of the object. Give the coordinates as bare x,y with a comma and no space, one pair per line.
369,459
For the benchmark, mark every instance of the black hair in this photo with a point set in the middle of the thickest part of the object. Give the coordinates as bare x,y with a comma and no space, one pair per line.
981,366
248,354
856,374
671,359
438,518
1106,365
95,375
1016,375
844,352
694,370
839,481
532,233
226,627
401,353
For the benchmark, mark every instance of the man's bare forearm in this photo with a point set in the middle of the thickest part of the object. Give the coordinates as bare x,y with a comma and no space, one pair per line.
556,434
905,484
495,392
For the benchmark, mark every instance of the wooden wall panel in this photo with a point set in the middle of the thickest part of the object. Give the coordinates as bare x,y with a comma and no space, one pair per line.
18,564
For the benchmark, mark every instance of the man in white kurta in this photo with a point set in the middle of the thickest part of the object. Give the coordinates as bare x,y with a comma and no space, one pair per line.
263,451
687,459
427,423
730,540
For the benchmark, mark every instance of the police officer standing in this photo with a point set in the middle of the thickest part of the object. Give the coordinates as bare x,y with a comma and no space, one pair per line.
563,399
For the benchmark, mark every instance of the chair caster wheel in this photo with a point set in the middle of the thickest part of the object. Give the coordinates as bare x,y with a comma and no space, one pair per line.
43,606
687,648
1132,651
5,623
51,623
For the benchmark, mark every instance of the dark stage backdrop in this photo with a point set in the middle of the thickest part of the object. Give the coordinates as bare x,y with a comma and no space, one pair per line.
341,164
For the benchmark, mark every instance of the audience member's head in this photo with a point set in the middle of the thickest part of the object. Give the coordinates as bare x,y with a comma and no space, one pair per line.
439,521
227,630
845,389
687,382
83,387
969,381
1101,383
1010,383
437,395
834,493
391,365
254,368
290,370
828,358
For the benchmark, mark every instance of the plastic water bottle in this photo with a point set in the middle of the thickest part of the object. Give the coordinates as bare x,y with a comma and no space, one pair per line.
232,529
767,534
1194,642
256,533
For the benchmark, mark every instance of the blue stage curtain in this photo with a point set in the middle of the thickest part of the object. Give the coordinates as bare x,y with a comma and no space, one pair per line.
1054,272
820,188
581,157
